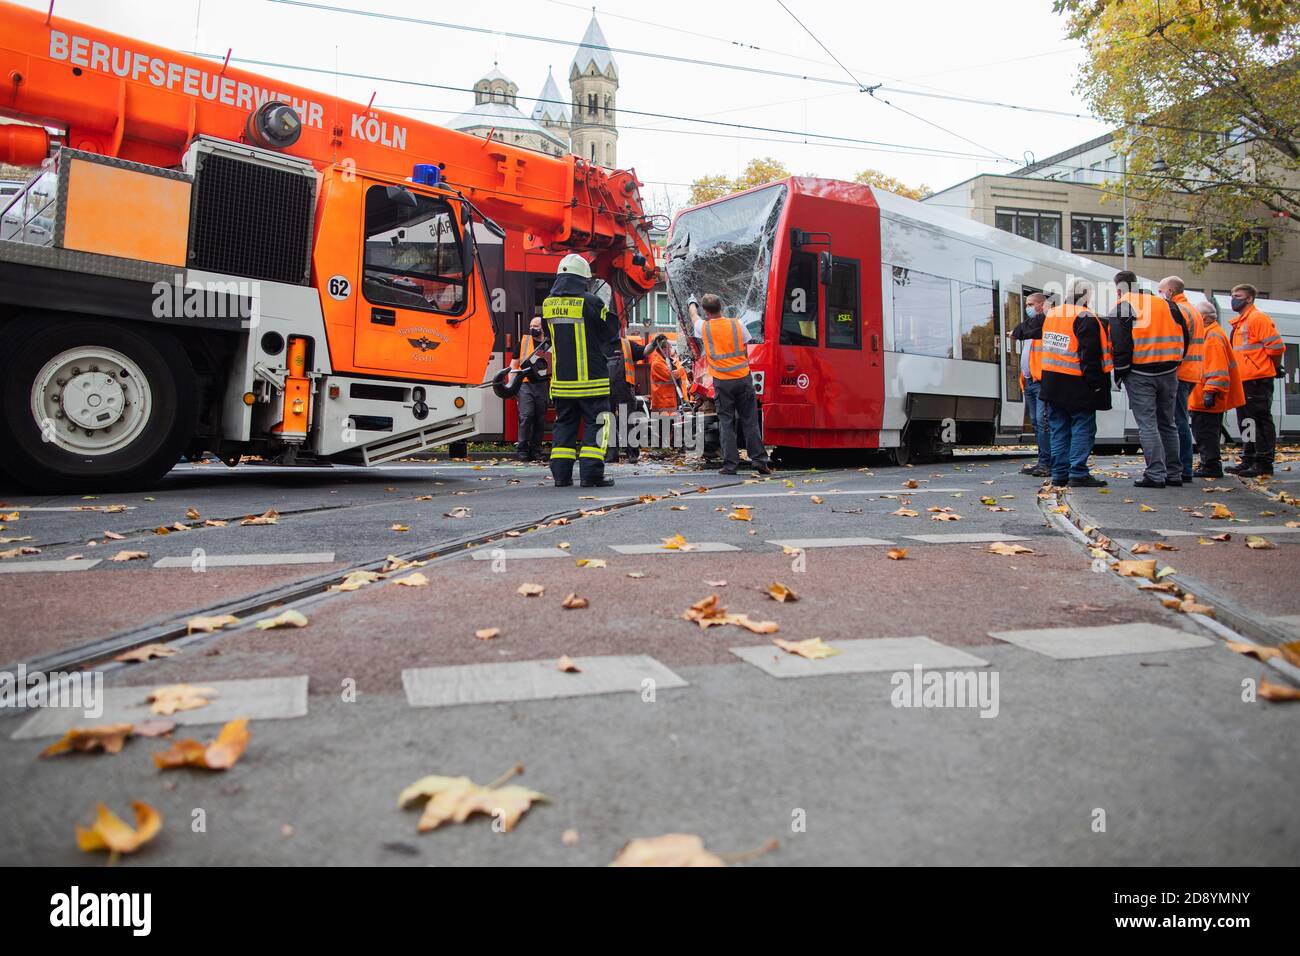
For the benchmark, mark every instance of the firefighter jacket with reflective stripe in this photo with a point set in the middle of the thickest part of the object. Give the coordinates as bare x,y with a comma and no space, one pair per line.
724,348
579,330
1149,334
1219,389
1190,368
1258,346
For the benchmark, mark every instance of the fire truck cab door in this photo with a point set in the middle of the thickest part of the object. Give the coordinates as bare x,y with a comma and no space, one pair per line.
416,291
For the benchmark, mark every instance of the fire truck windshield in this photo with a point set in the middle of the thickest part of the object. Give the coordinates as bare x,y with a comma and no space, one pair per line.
726,248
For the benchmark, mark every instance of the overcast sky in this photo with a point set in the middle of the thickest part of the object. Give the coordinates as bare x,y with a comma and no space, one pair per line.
1013,51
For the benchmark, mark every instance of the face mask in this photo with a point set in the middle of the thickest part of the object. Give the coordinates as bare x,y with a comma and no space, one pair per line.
1030,311
535,333
1238,303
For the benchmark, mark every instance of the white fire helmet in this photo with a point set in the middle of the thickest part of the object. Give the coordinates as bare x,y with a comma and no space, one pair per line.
574,264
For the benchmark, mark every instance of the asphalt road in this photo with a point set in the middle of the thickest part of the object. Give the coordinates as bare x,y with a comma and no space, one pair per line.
1158,743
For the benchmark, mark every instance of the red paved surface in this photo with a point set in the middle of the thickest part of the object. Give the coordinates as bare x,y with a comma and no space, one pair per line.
1265,582
952,593
43,613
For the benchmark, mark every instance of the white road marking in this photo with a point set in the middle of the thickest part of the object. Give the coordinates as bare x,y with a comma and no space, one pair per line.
1072,643
259,698
516,554
829,542
533,680
695,547
1253,529
964,538
247,560
88,509
901,492
860,656
11,567
1173,533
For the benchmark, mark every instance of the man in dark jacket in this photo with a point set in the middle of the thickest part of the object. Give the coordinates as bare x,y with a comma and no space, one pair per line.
1075,384
1030,333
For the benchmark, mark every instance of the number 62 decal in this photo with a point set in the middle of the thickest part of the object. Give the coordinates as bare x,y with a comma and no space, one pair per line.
339,287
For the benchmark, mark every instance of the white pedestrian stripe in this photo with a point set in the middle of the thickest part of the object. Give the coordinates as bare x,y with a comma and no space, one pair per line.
808,543
1072,643
89,509
534,680
246,560
893,490
693,547
964,538
516,554
12,567
259,698
860,656
1254,529
1173,533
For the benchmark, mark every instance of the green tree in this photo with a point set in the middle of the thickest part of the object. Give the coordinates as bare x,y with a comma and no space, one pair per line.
874,177
758,172
1204,95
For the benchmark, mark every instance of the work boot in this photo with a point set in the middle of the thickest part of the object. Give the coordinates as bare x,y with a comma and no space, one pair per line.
1145,482
1202,473
726,470
1237,468
1088,482
1040,472
599,483
762,467
1254,471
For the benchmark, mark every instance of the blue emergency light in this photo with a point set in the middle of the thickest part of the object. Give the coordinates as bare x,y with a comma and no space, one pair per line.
426,174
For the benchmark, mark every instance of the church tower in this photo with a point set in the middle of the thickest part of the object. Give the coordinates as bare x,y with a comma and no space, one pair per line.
593,80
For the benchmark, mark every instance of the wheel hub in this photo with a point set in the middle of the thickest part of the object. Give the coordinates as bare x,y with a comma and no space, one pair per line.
93,400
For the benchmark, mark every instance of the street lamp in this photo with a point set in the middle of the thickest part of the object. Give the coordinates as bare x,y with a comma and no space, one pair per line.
1159,166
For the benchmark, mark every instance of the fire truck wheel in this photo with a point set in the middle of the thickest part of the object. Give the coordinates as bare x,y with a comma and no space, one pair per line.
93,405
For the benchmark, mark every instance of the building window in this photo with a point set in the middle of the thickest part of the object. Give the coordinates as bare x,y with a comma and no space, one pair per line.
1161,245
592,104
663,313
1247,248
1097,234
922,313
1044,227
978,305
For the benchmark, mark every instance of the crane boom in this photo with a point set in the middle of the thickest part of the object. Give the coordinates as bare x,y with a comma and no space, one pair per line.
120,97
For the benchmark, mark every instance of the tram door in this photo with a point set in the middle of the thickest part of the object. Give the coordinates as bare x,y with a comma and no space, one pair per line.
1015,413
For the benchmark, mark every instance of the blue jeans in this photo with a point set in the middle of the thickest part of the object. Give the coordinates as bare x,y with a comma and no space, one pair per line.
1073,433
1038,420
1184,421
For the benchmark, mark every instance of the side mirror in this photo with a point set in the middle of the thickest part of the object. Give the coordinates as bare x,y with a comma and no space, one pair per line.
401,196
825,266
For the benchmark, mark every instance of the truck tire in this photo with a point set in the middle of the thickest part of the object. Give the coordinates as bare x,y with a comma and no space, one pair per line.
92,405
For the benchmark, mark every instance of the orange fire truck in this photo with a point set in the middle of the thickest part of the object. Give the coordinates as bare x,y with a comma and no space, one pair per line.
210,260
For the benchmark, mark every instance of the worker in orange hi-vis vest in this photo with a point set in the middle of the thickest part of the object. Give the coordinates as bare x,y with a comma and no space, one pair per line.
1189,370
669,383
1219,390
1259,350
724,341
1150,336
1030,334
1076,363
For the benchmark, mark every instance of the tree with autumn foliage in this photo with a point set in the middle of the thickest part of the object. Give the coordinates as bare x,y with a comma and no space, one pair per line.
1204,94
758,172
874,177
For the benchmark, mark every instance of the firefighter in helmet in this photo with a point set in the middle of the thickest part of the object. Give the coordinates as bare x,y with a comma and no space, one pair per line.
584,338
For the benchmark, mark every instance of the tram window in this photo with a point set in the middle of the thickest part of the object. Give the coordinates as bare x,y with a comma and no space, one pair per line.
1292,365
799,305
922,313
843,314
978,315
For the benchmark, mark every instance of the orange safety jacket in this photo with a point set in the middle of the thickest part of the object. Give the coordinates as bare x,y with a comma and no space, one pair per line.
1190,369
1219,388
724,348
1157,337
1258,346
629,363
1035,360
1059,348
663,396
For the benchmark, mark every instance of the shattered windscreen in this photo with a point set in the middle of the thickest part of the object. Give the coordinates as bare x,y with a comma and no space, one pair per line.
726,248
